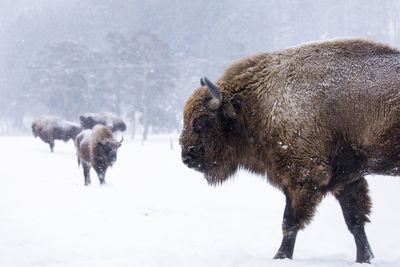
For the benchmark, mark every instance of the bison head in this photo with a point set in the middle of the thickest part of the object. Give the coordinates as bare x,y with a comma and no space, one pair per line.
87,122
73,132
119,126
34,131
210,132
110,148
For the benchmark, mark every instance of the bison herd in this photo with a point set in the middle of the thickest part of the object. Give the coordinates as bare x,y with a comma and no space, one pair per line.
94,141
313,120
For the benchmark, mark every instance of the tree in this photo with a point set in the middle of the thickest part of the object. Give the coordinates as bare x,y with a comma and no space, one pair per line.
58,79
144,75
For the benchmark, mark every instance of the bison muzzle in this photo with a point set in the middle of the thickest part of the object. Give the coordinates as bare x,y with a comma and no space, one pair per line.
313,119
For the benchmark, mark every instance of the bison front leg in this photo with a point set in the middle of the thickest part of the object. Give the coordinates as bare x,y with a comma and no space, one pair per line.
86,173
299,210
102,178
289,233
101,172
356,206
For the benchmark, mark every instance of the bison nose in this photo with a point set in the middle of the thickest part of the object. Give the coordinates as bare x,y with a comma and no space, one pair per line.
189,157
187,160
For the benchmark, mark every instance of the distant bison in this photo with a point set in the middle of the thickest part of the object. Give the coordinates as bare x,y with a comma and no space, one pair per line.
98,149
50,128
110,120
313,119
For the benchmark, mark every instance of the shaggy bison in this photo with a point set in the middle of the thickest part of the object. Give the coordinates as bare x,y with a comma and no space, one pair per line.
98,149
112,121
313,119
50,128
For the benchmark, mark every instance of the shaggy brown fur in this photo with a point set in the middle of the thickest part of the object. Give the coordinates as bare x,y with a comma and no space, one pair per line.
50,128
96,148
314,119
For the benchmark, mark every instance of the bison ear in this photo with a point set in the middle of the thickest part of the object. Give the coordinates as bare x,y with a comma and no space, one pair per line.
236,102
232,108
229,111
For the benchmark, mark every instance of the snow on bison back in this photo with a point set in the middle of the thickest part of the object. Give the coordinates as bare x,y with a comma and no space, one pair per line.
313,119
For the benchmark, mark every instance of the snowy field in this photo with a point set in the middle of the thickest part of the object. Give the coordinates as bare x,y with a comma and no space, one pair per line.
156,212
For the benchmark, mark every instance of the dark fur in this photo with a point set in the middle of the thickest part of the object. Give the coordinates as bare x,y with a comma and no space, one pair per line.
112,121
314,119
98,149
50,128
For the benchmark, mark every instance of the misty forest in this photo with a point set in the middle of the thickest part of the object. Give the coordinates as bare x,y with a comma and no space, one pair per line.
141,59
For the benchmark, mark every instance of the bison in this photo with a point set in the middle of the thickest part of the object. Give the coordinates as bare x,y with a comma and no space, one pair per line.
96,148
50,128
112,121
313,119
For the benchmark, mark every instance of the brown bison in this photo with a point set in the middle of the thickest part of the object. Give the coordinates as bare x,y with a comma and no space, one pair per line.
98,149
313,119
50,128
112,121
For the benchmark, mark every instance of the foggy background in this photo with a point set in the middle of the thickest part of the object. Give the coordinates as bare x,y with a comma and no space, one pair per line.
142,59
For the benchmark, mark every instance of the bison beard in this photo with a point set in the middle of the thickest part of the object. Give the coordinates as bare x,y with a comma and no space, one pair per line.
314,120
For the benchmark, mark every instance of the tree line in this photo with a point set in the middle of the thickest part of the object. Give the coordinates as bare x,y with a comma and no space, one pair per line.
134,77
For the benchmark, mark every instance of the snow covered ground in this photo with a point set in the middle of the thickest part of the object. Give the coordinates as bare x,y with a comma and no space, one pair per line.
156,212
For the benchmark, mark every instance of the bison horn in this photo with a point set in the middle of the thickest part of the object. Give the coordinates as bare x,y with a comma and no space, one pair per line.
122,139
216,101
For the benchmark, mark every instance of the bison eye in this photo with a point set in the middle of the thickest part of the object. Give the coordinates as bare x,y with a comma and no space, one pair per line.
203,123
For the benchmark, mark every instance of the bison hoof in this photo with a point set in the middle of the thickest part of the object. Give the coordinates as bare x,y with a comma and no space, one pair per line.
366,258
282,255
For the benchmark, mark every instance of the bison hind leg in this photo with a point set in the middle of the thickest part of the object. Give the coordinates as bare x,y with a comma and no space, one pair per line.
356,206
51,144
